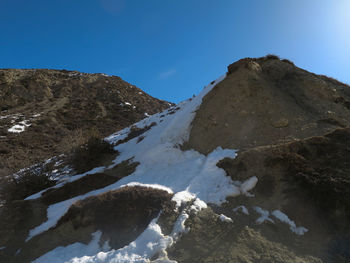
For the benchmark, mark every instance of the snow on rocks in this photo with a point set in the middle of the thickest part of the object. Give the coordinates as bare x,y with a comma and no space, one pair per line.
264,215
226,219
182,197
249,185
11,116
241,208
285,219
179,226
198,205
19,126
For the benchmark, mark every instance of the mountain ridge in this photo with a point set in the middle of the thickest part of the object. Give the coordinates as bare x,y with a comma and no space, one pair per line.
214,195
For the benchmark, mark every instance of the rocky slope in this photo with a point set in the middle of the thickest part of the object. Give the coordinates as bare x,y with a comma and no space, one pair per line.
253,169
268,101
47,112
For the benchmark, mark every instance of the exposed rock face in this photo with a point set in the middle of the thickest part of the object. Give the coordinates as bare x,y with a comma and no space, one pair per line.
268,101
57,107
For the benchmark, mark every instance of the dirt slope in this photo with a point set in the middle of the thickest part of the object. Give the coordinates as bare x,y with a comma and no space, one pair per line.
267,101
61,107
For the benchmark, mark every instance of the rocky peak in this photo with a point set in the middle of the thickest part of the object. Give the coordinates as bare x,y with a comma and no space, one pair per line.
267,101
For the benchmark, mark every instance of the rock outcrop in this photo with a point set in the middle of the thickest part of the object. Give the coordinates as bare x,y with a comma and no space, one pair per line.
268,101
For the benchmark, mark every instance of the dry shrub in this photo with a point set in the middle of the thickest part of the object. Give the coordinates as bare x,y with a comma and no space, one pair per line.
9,164
19,186
94,153
74,139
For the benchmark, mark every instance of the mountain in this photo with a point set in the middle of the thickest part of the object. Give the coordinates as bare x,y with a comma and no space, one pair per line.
47,112
253,169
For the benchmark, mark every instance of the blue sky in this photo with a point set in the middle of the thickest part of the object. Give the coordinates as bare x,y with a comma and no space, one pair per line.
172,48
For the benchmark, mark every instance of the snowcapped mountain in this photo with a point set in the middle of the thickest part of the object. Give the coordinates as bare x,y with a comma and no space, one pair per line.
253,169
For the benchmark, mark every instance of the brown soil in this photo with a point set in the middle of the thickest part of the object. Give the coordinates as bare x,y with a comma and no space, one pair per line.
267,101
121,215
70,104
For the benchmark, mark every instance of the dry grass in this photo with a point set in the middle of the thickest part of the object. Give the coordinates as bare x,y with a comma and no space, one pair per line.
9,163
96,152
21,185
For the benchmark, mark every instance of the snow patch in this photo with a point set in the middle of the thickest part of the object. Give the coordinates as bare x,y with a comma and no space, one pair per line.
179,226
151,242
248,185
20,127
198,205
264,215
72,252
241,208
226,219
182,197
285,219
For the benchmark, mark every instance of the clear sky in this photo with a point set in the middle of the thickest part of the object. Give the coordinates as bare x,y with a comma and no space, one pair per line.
172,48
